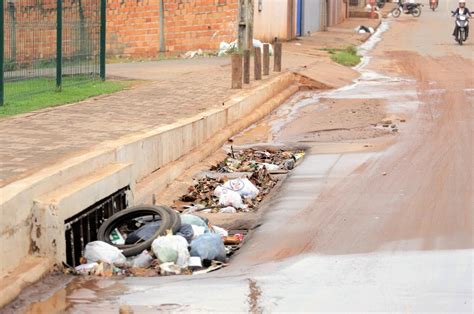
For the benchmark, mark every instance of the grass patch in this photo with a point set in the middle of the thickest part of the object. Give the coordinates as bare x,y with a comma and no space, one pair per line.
29,95
347,56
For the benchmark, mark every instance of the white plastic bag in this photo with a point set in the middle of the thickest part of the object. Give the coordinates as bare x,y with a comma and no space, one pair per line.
197,231
218,191
220,231
171,249
224,46
231,198
143,260
243,186
258,44
86,268
100,251
228,210
269,167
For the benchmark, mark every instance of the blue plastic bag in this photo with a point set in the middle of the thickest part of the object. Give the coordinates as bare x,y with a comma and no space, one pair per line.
186,231
144,233
194,220
209,246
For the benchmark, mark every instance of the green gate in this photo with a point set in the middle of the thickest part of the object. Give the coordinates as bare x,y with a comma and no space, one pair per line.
50,45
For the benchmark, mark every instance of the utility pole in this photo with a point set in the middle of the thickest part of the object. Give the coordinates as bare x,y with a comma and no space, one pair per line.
162,27
249,22
245,25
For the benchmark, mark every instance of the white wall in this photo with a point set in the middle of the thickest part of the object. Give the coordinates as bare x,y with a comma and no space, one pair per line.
274,20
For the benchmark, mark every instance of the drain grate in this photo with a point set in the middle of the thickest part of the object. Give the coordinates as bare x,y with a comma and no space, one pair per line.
83,227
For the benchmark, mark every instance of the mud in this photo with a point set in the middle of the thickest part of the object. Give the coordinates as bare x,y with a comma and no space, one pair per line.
253,297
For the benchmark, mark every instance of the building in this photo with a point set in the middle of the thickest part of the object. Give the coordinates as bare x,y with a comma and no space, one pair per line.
287,19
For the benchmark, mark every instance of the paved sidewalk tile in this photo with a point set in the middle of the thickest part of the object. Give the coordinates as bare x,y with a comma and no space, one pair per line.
36,140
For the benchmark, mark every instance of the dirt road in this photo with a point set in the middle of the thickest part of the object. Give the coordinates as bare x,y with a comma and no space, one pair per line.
377,221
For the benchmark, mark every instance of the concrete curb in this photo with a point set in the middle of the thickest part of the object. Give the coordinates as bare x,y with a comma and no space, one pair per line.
12,285
44,200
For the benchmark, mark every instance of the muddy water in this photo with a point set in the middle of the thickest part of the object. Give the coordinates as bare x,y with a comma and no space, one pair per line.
350,117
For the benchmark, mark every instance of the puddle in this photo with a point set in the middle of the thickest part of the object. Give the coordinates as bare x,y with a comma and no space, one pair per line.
311,117
50,296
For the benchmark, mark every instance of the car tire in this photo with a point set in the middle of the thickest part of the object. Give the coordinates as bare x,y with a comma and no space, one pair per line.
169,220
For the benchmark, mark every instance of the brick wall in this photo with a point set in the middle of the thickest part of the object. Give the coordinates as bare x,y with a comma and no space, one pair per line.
133,26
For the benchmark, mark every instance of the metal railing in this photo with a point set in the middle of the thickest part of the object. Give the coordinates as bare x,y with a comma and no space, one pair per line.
50,45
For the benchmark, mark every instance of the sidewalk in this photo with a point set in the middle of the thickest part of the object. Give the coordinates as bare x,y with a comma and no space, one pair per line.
175,89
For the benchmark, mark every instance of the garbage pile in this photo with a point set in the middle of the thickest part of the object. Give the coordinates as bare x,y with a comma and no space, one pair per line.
228,48
214,194
250,160
364,29
161,241
195,247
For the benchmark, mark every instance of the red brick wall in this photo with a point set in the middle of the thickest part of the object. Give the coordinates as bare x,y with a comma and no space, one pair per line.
133,25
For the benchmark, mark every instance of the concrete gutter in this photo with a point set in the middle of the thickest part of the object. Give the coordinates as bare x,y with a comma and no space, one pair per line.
33,210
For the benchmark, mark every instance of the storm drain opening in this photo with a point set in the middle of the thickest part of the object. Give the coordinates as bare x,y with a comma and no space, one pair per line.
83,227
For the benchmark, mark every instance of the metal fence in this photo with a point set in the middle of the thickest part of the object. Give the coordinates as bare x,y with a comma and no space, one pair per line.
84,227
49,45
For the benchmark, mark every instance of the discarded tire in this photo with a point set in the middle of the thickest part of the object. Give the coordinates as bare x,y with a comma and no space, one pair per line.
169,220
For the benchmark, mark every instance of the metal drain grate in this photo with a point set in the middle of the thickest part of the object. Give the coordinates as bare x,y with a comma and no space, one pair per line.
83,227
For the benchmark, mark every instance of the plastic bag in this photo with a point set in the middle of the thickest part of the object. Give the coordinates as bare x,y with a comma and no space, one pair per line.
171,249
209,247
231,198
243,186
269,167
220,231
194,220
100,251
143,233
86,269
218,191
198,230
169,269
187,232
143,260
228,210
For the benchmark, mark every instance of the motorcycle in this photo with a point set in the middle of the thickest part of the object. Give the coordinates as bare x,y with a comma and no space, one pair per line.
381,3
462,22
411,8
433,4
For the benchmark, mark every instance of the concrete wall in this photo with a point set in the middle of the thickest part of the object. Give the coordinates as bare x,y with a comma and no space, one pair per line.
312,16
274,18
338,11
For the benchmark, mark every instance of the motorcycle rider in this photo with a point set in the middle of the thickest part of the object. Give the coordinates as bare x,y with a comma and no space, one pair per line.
405,4
461,10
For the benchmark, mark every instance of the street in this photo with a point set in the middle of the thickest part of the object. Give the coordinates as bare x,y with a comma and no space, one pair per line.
375,218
